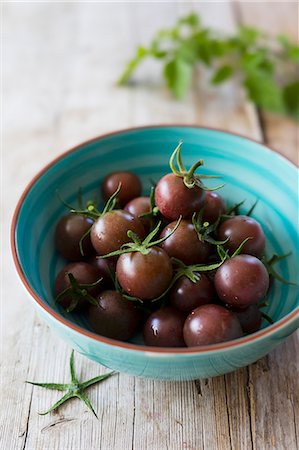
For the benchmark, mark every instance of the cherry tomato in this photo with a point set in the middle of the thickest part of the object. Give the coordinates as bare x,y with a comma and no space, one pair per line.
109,232
250,318
241,281
130,186
83,273
68,233
213,207
114,317
211,324
186,295
138,206
106,268
164,328
174,199
184,244
239,228
144,276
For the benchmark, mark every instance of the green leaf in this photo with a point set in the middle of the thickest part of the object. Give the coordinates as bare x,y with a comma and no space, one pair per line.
222,74
292,50
177,73
192,20
249,52
248,35
206,47
291,98
141,54
187,51
257,60
263,91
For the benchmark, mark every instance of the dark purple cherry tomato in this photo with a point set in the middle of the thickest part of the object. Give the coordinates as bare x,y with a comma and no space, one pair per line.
164,328
144,276
83,273
174,199
239,228
138,206
114,317
241,281
109,232
68,233
211,324
184,244
130,186
106,268
213,207
250,318
186,295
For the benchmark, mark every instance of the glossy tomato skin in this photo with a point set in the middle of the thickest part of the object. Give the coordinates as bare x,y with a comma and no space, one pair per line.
144,276
68,233
241,281
138,206
184,244
84,273
106,268
109,232
114,317
130,186
239,228
250,318
174,199
187,296
211,324
164,328
214,206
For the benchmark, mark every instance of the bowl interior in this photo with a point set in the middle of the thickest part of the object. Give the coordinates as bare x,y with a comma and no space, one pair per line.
249,170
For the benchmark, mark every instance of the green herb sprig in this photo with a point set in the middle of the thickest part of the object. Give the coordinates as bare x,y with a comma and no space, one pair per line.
268,67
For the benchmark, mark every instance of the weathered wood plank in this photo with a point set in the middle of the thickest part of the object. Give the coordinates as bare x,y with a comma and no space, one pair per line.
68,96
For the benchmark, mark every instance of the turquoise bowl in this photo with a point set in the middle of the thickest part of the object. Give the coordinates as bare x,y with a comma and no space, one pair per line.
249,170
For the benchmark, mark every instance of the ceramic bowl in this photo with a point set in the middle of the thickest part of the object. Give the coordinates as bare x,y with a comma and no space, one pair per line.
249,170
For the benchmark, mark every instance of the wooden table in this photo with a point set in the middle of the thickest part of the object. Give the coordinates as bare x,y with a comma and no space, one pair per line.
61,61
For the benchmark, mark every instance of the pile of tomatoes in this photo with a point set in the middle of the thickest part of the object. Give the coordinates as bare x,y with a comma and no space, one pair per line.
177,265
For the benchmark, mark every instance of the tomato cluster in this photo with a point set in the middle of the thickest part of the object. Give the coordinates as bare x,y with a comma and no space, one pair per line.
176,265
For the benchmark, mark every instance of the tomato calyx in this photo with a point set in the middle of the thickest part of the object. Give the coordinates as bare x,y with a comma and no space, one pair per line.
77,291
190,179
119,289
192,272
91,210
154,212
137,245
262,305
234,210
223,254
205,229
268,263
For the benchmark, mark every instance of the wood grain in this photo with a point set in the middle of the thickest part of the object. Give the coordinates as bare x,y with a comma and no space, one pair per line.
61,61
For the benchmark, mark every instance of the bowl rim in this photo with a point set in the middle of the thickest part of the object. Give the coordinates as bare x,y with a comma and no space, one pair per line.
288,319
